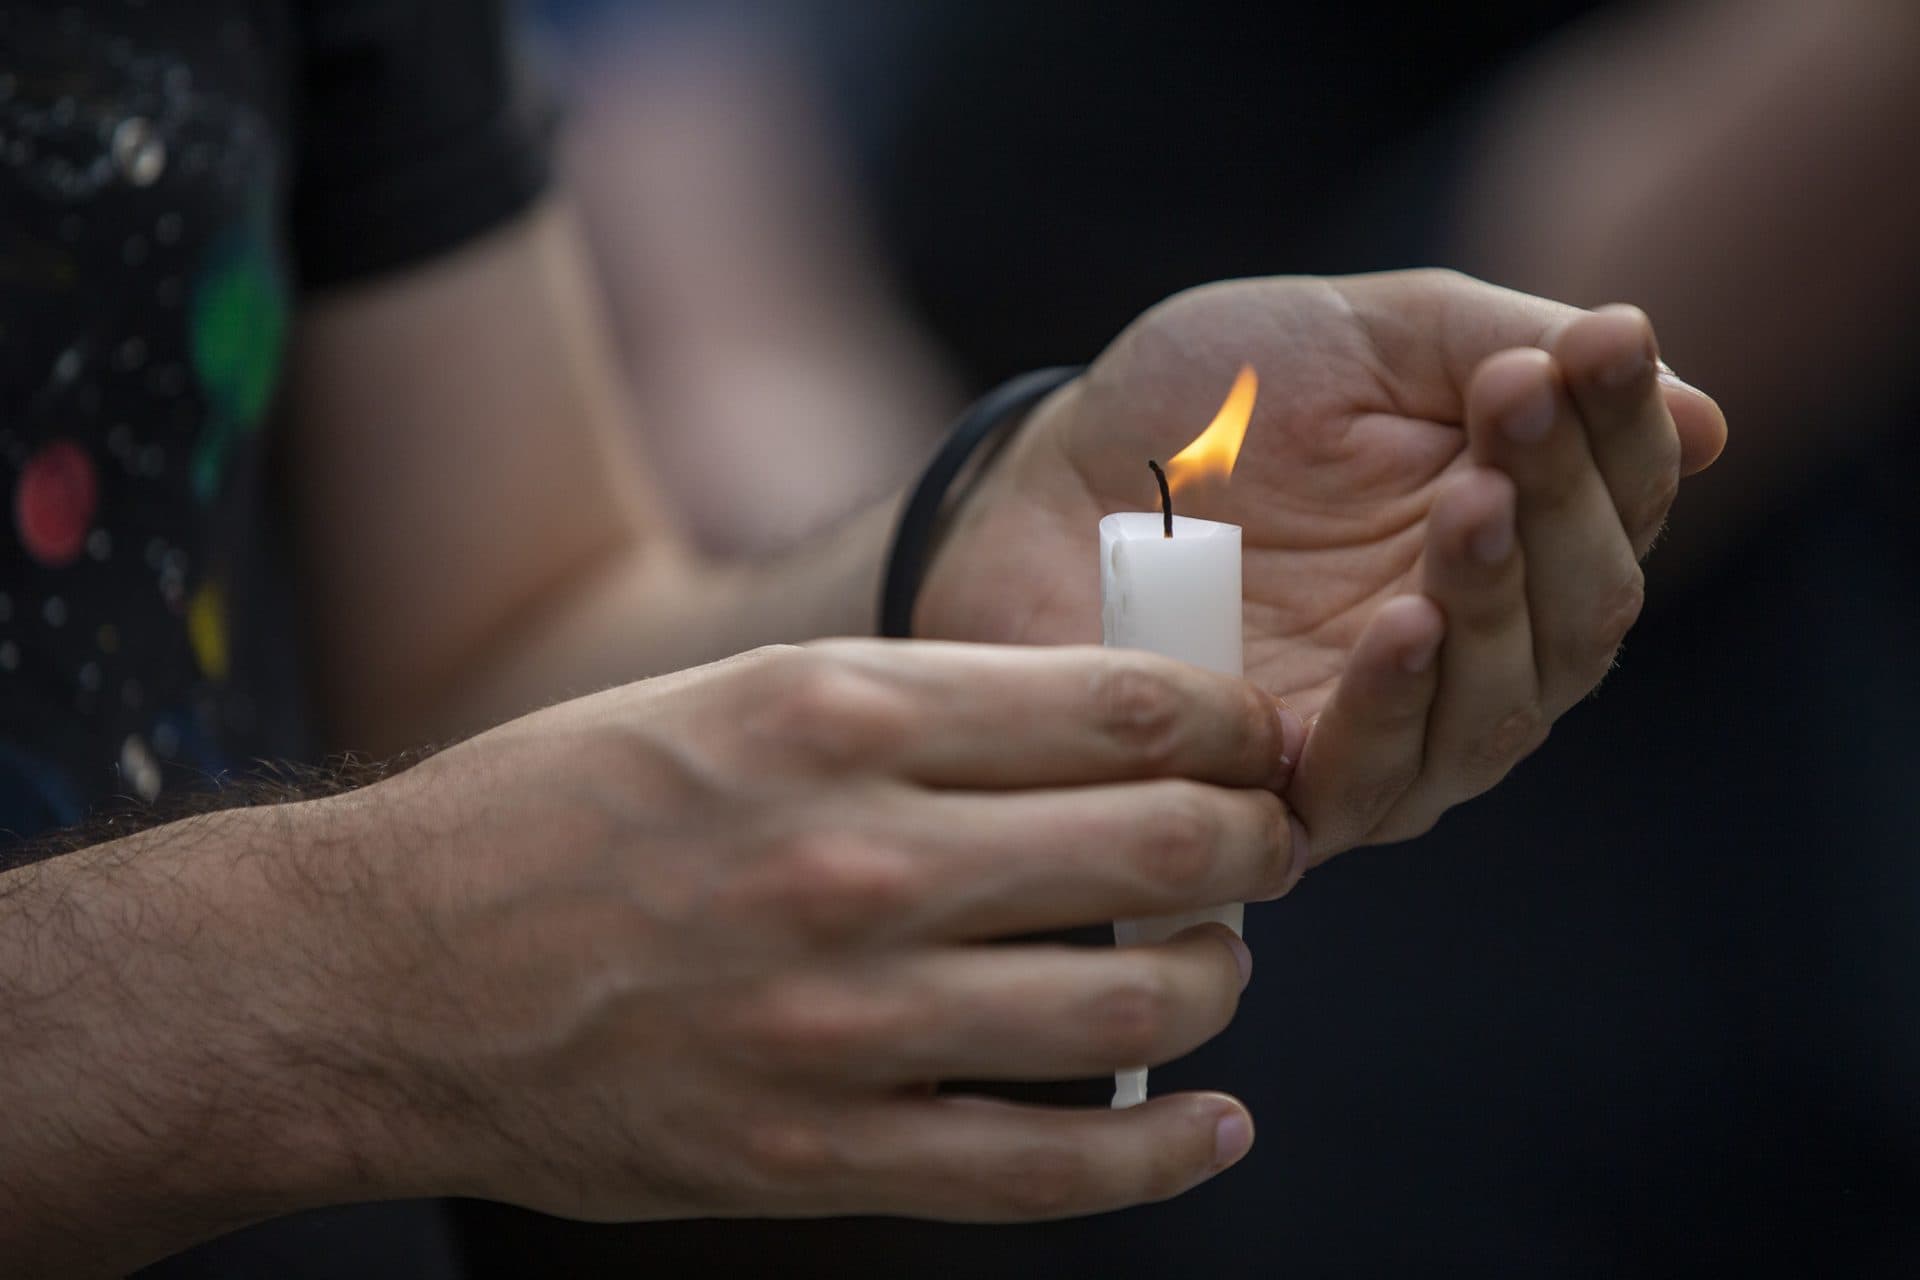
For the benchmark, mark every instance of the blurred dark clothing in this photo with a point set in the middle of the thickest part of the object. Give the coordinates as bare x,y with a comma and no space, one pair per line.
173,178
1059,167
1644,1010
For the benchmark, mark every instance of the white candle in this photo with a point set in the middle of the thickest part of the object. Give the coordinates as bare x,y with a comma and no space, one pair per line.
1178,596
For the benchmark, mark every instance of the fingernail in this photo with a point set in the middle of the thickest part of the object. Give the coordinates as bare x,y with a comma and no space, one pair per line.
1672,379
1532,419
1492,543
1420,657
1244,958
1232,1139
1300,853
1293,737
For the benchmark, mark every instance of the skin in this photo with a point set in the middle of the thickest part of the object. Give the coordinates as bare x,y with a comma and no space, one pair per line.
691,947
695,945
1378,465
1753,195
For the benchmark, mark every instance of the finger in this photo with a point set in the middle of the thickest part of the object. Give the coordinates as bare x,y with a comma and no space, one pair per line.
1609,359
1584,586
997,866
1435,328
965,1159
1366,748
909,865
1486,712
1697,417
980,716
1011,1012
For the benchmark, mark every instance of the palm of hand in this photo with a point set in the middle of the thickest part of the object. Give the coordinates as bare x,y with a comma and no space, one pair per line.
1340,467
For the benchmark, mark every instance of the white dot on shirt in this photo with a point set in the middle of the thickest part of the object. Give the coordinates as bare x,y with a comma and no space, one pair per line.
90,677
153,461
138,768
168,228
100,544
138,152
54,611
9,656
131,354
67,367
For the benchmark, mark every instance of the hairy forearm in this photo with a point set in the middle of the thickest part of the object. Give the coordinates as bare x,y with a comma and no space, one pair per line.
168,1064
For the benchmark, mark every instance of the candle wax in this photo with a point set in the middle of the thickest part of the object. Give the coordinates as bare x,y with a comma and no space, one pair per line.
1178,597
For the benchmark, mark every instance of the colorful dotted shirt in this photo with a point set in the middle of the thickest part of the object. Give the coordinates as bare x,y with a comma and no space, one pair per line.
174,174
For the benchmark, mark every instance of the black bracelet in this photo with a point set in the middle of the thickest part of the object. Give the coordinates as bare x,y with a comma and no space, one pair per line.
921,520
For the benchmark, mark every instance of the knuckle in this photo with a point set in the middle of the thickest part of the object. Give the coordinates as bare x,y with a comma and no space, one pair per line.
784,1151
1275,826
1618,611
808,1024
835,888
1366,799
832,715
775,656
1139,707
1043,1181
1177,843
1441,279
1258,724
1130,1016
1507,742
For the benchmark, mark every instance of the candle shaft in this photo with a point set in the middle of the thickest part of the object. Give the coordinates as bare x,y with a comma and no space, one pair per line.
1177,596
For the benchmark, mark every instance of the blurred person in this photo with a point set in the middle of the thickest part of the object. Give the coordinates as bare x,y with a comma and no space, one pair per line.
1766,173
293,322
775,387
1642,1017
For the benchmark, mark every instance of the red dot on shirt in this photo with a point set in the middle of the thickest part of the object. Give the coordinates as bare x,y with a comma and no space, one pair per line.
54,503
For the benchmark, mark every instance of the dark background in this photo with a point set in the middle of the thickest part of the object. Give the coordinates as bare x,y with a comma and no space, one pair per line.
1650,1007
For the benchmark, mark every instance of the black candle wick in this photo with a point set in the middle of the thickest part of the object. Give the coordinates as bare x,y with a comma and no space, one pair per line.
1166,495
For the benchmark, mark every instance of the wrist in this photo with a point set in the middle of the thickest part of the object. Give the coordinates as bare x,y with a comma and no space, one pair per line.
347,906
956,471
980,584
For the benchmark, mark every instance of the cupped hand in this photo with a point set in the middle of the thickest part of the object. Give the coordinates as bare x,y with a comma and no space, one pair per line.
1445,492
698,946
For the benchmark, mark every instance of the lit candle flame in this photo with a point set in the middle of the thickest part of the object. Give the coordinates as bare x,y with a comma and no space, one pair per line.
1212,454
